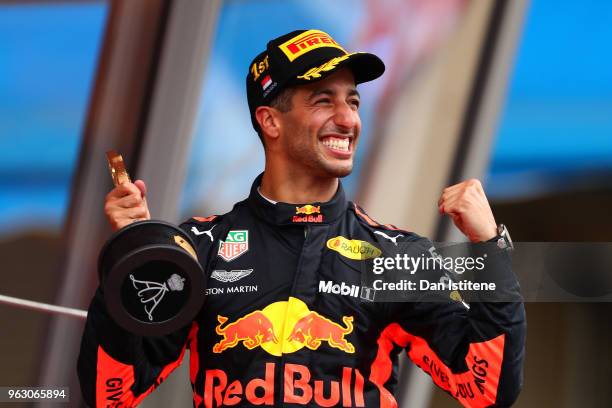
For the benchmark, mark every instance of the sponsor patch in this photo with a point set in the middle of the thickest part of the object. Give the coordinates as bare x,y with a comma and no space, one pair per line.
266,82
390,238
267,328
306,213
232,290
308,218
297,386
353,248
236,243
230,276
207,232
345,289
308,209
307,41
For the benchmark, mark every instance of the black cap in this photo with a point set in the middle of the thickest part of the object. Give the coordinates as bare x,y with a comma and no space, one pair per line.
303,57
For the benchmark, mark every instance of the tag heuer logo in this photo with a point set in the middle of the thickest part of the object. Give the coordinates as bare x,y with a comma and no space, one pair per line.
236,243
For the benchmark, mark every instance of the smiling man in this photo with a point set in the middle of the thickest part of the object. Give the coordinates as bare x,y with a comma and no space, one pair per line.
312,142
286,321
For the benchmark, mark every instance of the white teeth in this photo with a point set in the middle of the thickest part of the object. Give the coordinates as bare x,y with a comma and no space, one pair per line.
337,144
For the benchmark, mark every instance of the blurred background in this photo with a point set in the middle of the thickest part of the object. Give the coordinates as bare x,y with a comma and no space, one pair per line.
516,93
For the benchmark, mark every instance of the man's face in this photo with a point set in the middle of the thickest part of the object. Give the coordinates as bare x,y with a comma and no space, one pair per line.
320,132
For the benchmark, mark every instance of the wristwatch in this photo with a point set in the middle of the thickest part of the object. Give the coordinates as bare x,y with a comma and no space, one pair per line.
503,239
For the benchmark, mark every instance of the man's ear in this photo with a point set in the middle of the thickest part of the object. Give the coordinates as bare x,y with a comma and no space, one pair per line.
268,120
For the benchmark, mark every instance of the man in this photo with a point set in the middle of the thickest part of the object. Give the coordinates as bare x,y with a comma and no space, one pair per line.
284,322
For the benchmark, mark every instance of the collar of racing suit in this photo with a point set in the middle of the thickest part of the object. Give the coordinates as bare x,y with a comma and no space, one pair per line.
292,214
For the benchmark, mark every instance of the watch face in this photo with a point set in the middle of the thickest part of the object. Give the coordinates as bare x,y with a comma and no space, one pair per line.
504,237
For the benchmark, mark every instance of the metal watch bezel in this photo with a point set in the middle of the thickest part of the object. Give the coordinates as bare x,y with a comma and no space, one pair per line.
504,241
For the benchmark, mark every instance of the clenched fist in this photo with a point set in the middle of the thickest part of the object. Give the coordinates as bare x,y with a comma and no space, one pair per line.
125,204
467,205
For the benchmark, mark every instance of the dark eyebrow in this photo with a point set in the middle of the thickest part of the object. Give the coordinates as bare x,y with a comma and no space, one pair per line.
329,92
318,92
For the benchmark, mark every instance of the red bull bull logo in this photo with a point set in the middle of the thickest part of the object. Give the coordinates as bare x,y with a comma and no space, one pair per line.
252,330
305,214
298,388
308,209
313,328
282,328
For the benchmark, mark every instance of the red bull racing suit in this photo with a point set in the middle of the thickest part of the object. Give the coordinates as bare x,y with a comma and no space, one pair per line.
285,322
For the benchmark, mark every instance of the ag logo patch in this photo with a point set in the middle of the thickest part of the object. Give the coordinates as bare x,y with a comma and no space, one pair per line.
236,243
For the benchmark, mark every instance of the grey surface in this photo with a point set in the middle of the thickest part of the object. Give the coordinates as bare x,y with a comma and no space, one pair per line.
168,138
112,123
119,110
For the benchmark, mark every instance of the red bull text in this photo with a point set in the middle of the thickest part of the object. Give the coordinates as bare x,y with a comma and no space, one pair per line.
298,388
308,218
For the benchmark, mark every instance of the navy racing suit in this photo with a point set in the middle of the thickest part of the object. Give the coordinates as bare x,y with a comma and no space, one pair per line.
286,323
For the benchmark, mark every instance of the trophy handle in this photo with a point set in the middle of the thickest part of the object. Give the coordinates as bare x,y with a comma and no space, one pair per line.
117,168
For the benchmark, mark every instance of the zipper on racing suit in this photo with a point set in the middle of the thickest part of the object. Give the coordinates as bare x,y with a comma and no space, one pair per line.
281,395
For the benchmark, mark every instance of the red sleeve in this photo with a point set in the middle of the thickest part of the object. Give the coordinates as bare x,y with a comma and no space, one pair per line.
117,368
474,353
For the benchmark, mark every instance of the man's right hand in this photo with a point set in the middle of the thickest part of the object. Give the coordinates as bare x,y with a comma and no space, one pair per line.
125,204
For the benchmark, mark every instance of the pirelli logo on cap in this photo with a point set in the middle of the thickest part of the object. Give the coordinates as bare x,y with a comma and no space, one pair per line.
307,41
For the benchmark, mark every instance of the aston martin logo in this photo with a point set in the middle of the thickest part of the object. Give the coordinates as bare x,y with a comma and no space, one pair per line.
230,276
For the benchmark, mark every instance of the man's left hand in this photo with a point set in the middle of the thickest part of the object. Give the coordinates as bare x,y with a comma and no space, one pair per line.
467,205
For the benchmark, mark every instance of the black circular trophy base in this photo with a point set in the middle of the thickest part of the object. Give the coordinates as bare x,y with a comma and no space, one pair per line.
151,281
